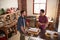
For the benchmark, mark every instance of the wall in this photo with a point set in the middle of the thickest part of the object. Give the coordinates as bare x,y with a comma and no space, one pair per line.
8,3
30,7
51,8
58,17
59,25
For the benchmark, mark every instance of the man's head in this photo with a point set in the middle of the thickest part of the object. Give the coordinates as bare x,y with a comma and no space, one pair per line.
41,12
23,13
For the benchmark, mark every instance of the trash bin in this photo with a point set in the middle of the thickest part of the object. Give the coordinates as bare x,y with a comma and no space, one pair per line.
2,35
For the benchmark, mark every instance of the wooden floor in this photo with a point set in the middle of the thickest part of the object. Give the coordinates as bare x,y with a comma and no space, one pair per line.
17,37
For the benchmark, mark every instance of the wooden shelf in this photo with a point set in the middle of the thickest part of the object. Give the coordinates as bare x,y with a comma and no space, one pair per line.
8,26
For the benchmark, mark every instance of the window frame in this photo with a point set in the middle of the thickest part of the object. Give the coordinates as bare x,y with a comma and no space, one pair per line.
38,13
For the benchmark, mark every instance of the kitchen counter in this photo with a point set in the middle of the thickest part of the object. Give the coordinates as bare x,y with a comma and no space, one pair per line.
41,36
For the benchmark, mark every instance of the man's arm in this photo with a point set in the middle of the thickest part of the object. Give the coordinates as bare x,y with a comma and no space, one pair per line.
21,25
23,30
46,23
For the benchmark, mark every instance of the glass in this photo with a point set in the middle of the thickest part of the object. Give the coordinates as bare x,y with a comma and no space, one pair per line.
38,7
42,6
39,1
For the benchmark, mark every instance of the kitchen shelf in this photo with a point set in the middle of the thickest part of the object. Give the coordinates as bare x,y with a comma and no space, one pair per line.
7,27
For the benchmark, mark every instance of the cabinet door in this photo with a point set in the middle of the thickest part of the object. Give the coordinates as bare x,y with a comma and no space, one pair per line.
19,5
22,4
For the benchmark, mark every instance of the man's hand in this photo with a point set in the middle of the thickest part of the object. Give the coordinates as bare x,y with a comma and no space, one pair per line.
40,23
46,24
23,30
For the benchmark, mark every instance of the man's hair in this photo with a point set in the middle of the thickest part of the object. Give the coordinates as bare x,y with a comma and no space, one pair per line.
42,10
22,11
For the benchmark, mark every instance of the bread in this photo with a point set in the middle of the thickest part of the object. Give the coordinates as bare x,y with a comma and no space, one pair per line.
55,35
48,34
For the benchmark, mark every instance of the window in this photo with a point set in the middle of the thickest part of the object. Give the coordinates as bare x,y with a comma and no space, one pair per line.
39,4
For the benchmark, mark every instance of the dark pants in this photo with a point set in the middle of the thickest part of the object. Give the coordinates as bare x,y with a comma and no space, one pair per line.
22,37
42,33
